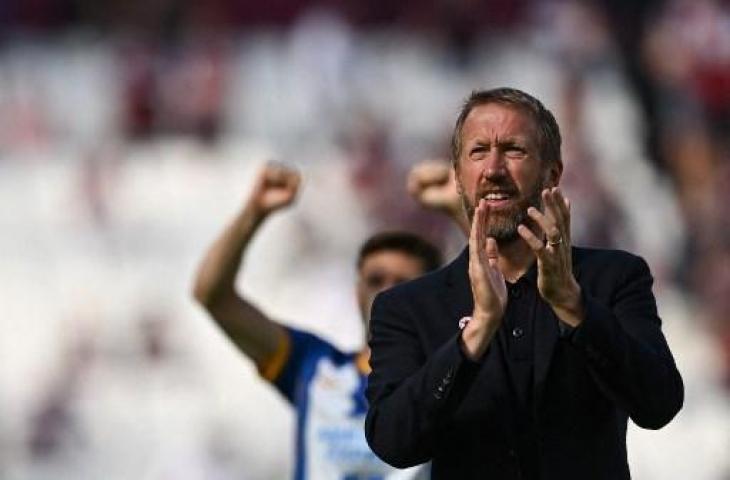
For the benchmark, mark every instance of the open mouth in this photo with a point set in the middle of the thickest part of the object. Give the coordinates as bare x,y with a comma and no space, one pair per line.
498,199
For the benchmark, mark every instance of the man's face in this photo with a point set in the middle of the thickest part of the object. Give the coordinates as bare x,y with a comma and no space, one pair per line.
500,162
383,269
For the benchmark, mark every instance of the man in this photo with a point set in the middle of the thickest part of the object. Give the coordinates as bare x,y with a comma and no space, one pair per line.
558,345
325,386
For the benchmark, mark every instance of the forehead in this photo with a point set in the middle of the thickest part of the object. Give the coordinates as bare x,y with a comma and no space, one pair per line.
500,121
392,261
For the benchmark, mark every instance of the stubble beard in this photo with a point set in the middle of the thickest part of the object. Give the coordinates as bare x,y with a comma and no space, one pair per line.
502,224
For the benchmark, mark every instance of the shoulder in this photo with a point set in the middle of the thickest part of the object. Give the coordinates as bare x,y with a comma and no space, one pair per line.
608,265
604,257
311,344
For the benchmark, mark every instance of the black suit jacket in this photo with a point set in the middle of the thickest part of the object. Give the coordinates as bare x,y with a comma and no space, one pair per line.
428,402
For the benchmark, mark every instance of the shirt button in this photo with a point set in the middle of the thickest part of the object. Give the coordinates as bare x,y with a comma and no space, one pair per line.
517,332
514,291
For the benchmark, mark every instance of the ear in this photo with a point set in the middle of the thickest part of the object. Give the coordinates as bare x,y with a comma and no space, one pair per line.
457,182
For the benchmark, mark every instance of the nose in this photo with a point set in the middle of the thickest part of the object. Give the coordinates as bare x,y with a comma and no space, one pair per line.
494,165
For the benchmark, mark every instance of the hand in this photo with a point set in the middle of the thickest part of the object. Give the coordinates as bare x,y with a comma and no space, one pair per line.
555,279
487,285
275,188
432,184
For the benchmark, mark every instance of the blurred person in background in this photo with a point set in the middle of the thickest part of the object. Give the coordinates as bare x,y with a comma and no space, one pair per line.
325,385
525,357
432,184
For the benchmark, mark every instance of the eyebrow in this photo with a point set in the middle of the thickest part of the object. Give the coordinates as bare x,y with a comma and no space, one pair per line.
506,141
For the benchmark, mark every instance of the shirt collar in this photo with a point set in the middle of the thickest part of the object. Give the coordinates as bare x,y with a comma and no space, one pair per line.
529,277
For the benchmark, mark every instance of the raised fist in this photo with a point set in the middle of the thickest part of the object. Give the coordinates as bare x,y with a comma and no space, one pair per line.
275,188
432,184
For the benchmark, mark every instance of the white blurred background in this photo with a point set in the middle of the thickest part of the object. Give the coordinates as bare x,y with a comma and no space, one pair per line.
130,133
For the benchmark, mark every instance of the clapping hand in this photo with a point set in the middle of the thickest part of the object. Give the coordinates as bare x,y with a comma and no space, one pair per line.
487,285
555,279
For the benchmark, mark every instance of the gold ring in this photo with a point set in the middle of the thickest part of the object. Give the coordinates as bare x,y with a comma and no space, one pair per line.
555,243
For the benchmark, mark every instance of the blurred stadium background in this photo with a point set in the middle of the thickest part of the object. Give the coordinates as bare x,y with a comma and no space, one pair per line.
129,133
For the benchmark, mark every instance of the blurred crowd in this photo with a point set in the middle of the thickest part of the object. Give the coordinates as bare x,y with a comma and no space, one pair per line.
130,130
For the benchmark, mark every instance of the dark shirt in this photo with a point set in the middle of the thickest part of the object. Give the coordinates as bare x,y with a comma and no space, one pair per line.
515,337
515,346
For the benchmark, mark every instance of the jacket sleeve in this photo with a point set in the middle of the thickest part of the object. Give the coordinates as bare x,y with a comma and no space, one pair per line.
627,353
409,394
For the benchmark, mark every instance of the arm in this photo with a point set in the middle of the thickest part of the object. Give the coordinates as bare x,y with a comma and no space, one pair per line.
432,184
622,343
410,395
626,352
250,329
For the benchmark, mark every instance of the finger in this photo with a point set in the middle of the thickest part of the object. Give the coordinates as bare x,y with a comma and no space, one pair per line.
552,205
546,204
274,173
557,207
547,225
262,179
434,173
476,245
562,216
552,212
492,251
295,180
564,207
480,216
560,201
289,177
473,255
427,173
555,202
537,245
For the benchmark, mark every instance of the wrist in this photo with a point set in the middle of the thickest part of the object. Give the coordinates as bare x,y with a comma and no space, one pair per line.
483,318
255,212
476,334
470,347
570,309
569,300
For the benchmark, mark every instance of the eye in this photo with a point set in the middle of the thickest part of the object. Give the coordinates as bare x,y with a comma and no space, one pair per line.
478,150
375,280
515,150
